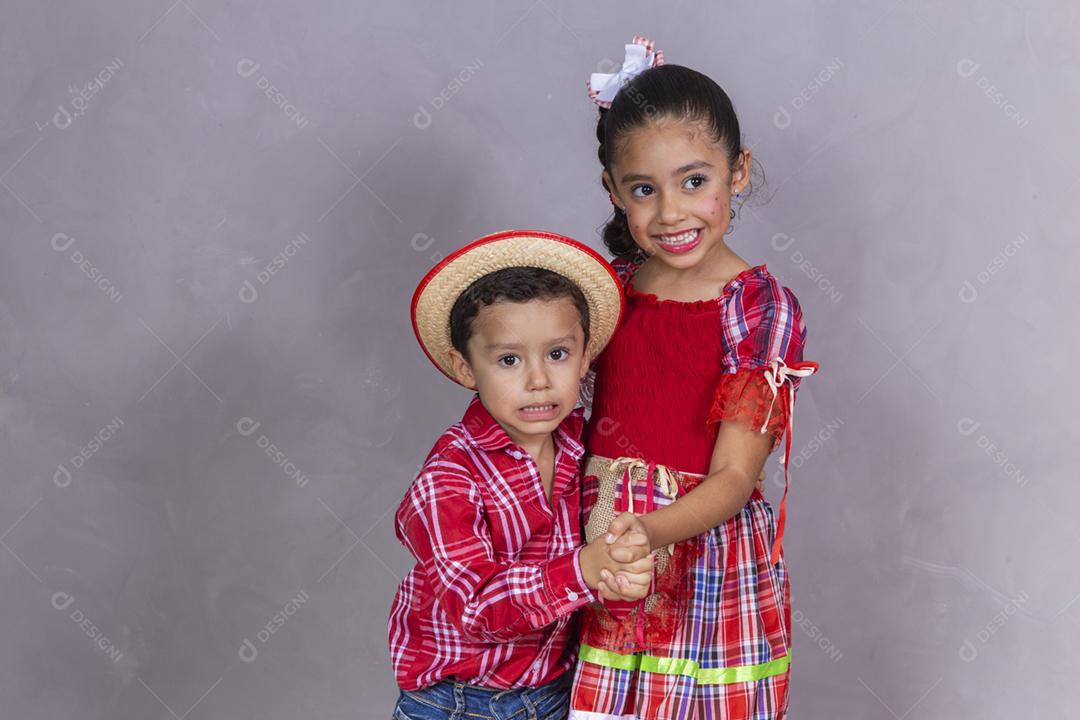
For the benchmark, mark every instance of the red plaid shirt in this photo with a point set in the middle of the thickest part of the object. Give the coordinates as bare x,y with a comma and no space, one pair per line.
491,598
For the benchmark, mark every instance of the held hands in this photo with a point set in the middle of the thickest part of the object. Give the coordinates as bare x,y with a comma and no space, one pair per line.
623,563
627,539
619,568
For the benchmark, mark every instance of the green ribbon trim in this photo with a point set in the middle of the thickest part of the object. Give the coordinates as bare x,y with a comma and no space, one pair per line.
689,668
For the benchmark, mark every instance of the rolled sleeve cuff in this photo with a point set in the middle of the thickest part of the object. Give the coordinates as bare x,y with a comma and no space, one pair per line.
565,586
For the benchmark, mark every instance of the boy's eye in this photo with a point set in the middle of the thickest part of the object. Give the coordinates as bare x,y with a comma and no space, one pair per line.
508,360
559,354
694,182
641,190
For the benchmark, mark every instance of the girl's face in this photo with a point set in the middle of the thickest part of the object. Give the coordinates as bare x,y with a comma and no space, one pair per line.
675,185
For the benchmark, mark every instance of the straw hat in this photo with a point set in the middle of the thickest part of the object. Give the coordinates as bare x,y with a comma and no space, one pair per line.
440,288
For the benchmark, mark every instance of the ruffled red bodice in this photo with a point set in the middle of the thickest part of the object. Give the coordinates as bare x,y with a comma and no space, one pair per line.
661,387
655,381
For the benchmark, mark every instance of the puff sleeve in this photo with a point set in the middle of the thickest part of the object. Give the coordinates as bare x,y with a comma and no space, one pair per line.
763,337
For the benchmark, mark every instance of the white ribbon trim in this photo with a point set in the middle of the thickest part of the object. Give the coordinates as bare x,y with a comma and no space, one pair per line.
664,475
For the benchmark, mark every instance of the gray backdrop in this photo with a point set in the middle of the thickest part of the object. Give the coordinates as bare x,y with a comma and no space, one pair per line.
212,401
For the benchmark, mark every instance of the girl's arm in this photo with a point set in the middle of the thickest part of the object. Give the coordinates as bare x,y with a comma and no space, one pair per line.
773,319
737,461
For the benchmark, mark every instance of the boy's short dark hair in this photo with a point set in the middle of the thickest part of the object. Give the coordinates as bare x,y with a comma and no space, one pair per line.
513,284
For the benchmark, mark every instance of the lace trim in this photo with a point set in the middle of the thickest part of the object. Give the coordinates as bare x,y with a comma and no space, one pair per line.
744,397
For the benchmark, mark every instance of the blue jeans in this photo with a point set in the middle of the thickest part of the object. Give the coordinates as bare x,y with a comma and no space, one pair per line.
452,700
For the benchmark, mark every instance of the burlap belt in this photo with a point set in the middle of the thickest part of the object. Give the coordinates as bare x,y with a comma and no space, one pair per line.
635,477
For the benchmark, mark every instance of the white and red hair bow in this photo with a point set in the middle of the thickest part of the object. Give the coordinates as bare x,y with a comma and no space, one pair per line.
640,56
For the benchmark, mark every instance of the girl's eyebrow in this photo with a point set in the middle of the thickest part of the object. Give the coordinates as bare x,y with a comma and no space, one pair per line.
678,171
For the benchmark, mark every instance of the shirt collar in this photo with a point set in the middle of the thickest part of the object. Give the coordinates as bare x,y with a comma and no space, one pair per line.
489,436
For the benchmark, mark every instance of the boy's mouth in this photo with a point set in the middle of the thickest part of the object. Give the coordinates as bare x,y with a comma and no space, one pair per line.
539,411
679,243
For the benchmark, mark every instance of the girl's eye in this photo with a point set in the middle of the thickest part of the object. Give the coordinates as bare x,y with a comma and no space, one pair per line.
559,354
694,182
508,360
641,190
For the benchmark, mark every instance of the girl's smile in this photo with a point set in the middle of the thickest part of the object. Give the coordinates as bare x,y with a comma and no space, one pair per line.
679,243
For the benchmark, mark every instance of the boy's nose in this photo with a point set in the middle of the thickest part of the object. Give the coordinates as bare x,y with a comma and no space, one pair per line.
538,378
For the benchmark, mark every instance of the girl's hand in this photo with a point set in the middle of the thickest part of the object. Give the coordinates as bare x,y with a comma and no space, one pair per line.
632,546
628,538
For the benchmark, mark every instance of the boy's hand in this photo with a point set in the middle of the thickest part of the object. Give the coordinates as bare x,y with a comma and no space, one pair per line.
624,585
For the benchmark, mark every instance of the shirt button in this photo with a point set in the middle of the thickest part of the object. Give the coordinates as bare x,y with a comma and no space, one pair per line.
515,454
571,595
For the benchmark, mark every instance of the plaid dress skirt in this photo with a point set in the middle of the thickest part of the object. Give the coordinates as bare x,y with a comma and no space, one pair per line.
711,641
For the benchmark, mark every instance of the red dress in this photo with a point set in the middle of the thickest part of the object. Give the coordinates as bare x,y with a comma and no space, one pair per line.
714,639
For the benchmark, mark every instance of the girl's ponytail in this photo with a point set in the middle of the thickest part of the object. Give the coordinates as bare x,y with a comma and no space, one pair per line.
617,237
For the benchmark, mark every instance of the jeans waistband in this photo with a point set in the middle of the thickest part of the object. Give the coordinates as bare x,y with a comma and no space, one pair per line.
468,700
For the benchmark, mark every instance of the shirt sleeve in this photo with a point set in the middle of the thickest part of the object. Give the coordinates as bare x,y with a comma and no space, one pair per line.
624,269
585,392
442,523
763,323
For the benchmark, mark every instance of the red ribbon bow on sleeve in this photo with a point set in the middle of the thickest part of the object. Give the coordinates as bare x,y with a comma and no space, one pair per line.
776,374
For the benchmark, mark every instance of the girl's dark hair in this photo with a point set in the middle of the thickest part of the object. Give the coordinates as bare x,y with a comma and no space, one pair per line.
666,91
516,285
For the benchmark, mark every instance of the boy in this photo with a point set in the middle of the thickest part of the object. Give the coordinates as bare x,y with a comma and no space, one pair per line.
482,626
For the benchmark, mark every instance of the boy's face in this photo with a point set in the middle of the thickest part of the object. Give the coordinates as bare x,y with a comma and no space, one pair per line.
526,360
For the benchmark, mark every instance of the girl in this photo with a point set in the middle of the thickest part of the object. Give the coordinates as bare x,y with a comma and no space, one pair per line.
693,392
